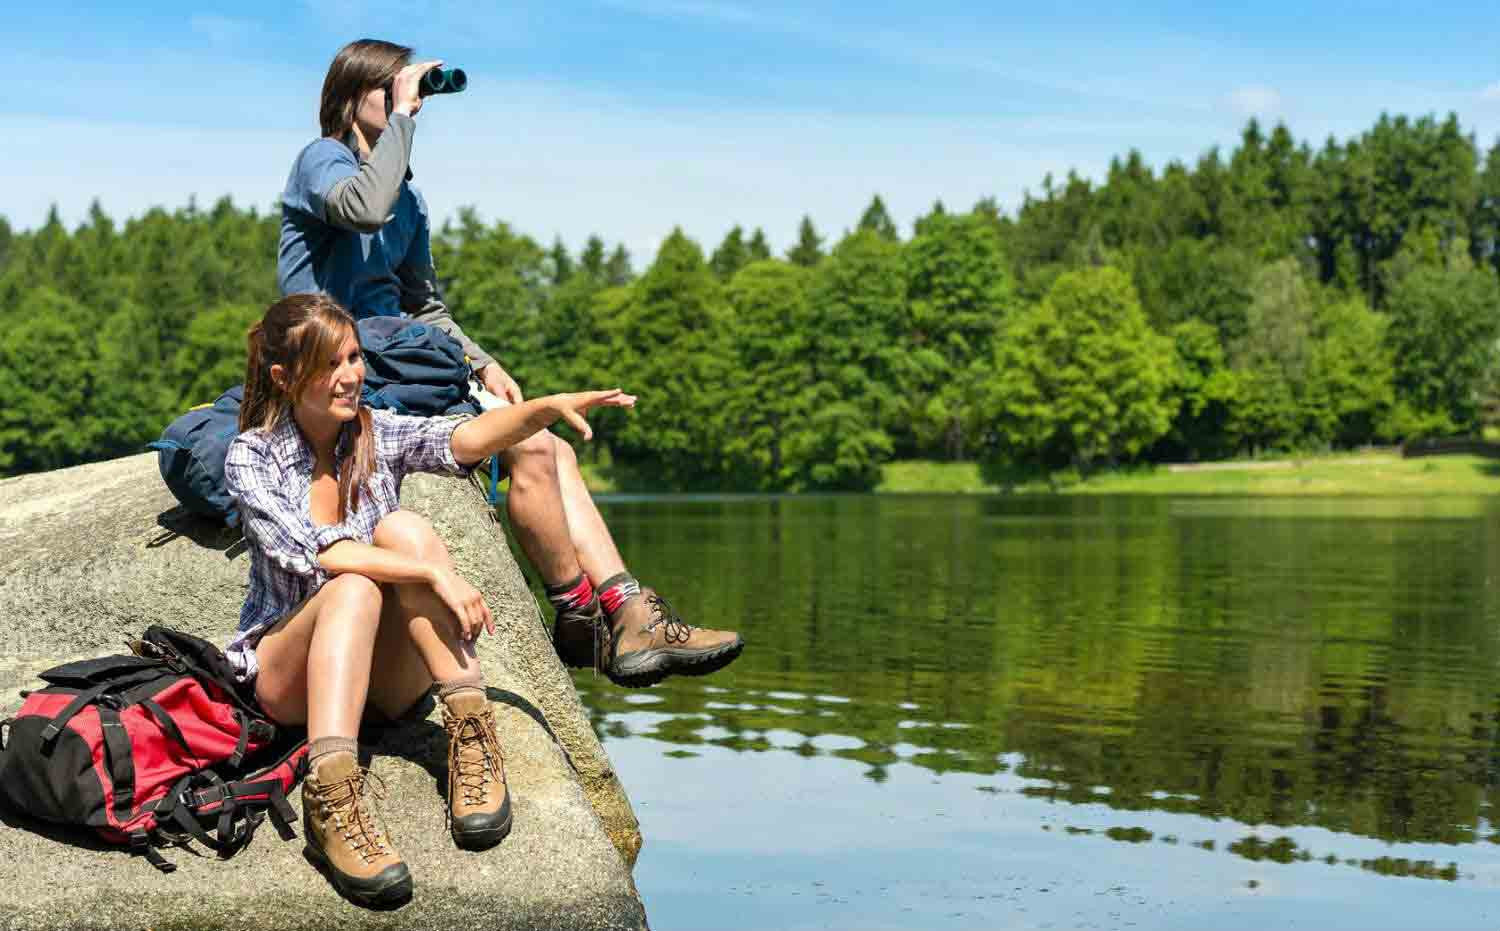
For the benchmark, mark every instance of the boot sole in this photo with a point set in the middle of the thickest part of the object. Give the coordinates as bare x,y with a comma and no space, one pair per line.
487,838
651,666
389,894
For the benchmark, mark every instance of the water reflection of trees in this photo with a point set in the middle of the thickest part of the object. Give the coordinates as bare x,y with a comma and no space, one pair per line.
1237,662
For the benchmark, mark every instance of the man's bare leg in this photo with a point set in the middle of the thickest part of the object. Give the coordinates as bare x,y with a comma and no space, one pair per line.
592,541
535,507
564,536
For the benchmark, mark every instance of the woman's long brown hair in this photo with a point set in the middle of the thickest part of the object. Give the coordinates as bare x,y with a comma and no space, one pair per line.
301,333
355,70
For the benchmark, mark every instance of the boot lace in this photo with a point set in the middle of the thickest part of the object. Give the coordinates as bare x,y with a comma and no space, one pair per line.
348,806
662,615
473,730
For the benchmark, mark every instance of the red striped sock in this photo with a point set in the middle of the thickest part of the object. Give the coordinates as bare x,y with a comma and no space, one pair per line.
569,595
617,590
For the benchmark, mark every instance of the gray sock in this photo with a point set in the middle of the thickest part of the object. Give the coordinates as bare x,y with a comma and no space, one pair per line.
446,688
322,746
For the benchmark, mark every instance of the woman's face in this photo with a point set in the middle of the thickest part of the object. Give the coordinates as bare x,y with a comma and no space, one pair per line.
334,394
371,114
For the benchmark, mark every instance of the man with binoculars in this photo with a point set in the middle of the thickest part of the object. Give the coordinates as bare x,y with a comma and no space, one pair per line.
355,227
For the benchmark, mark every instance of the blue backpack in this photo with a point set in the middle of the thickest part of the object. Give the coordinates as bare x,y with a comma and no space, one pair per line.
413,368
191,453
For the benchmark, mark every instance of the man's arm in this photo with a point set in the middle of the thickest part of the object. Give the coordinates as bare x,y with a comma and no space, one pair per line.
433,312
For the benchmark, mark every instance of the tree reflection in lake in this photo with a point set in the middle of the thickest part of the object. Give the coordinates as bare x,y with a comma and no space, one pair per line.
1281,663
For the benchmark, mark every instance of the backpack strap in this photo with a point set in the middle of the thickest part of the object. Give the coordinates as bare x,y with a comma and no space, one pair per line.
141,845
182,815
233,795
237,758
121,763
89,696
168,726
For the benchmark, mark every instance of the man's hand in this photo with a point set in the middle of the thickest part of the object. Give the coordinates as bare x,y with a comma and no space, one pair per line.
497,381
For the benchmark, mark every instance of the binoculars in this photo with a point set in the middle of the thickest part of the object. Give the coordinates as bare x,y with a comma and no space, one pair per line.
443,81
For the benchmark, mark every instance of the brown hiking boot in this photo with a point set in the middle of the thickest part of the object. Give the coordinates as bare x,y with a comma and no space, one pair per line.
478,799
650,642
581,636
345,838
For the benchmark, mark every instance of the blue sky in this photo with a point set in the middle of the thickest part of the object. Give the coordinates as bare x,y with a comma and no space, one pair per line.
628,117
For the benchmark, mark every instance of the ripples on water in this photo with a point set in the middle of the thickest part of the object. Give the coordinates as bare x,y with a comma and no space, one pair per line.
960,712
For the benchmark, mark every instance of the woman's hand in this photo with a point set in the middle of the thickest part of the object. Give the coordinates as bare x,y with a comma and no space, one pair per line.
572,407
465,601
405,90
502,427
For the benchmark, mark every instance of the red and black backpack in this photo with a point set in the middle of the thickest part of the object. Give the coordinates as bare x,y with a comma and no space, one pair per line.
156,748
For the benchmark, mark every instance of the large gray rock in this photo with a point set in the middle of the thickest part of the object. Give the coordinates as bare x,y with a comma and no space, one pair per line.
90,556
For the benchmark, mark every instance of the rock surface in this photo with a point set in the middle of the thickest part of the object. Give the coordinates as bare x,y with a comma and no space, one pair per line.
90,556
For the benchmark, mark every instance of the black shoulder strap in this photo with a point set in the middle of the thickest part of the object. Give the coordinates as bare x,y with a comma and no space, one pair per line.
121,762
88,696
167,725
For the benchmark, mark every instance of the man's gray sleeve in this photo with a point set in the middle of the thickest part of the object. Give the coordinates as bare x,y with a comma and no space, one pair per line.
421,298
364,201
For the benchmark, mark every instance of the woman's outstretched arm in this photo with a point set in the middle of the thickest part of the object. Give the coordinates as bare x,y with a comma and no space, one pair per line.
498,429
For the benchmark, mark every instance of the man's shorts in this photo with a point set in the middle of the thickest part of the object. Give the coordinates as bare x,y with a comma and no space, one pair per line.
487,401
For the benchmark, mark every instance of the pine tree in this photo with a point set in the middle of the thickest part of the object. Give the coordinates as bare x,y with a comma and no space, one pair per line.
878,219
809,248
561,262
617,270
731,255
759,248
591,260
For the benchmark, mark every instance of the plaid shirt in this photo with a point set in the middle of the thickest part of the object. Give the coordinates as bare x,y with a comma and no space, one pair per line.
269,474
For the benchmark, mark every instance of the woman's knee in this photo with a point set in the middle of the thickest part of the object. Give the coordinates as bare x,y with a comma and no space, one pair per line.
410,534
352,592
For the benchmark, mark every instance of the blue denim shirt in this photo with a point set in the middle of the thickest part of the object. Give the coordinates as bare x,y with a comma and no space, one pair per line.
362,271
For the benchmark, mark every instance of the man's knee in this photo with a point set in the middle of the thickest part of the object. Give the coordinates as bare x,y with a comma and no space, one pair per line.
566,458
533,461
409,534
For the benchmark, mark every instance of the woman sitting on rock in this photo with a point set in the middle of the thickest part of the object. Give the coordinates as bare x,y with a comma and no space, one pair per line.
352,601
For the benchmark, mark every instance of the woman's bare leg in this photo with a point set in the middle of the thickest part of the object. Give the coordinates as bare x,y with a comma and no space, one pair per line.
314,665
419,641
419,644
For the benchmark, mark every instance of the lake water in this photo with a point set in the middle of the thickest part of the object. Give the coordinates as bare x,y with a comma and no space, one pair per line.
1057,713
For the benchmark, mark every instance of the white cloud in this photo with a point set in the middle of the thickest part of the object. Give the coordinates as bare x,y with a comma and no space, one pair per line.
1255,100
1491,94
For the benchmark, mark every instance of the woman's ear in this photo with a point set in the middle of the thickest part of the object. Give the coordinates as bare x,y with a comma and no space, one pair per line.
278,376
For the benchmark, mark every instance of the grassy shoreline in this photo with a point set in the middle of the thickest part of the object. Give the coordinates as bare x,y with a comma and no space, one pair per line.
1379,474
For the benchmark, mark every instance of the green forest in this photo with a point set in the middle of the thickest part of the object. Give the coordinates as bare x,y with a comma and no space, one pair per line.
1277,297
